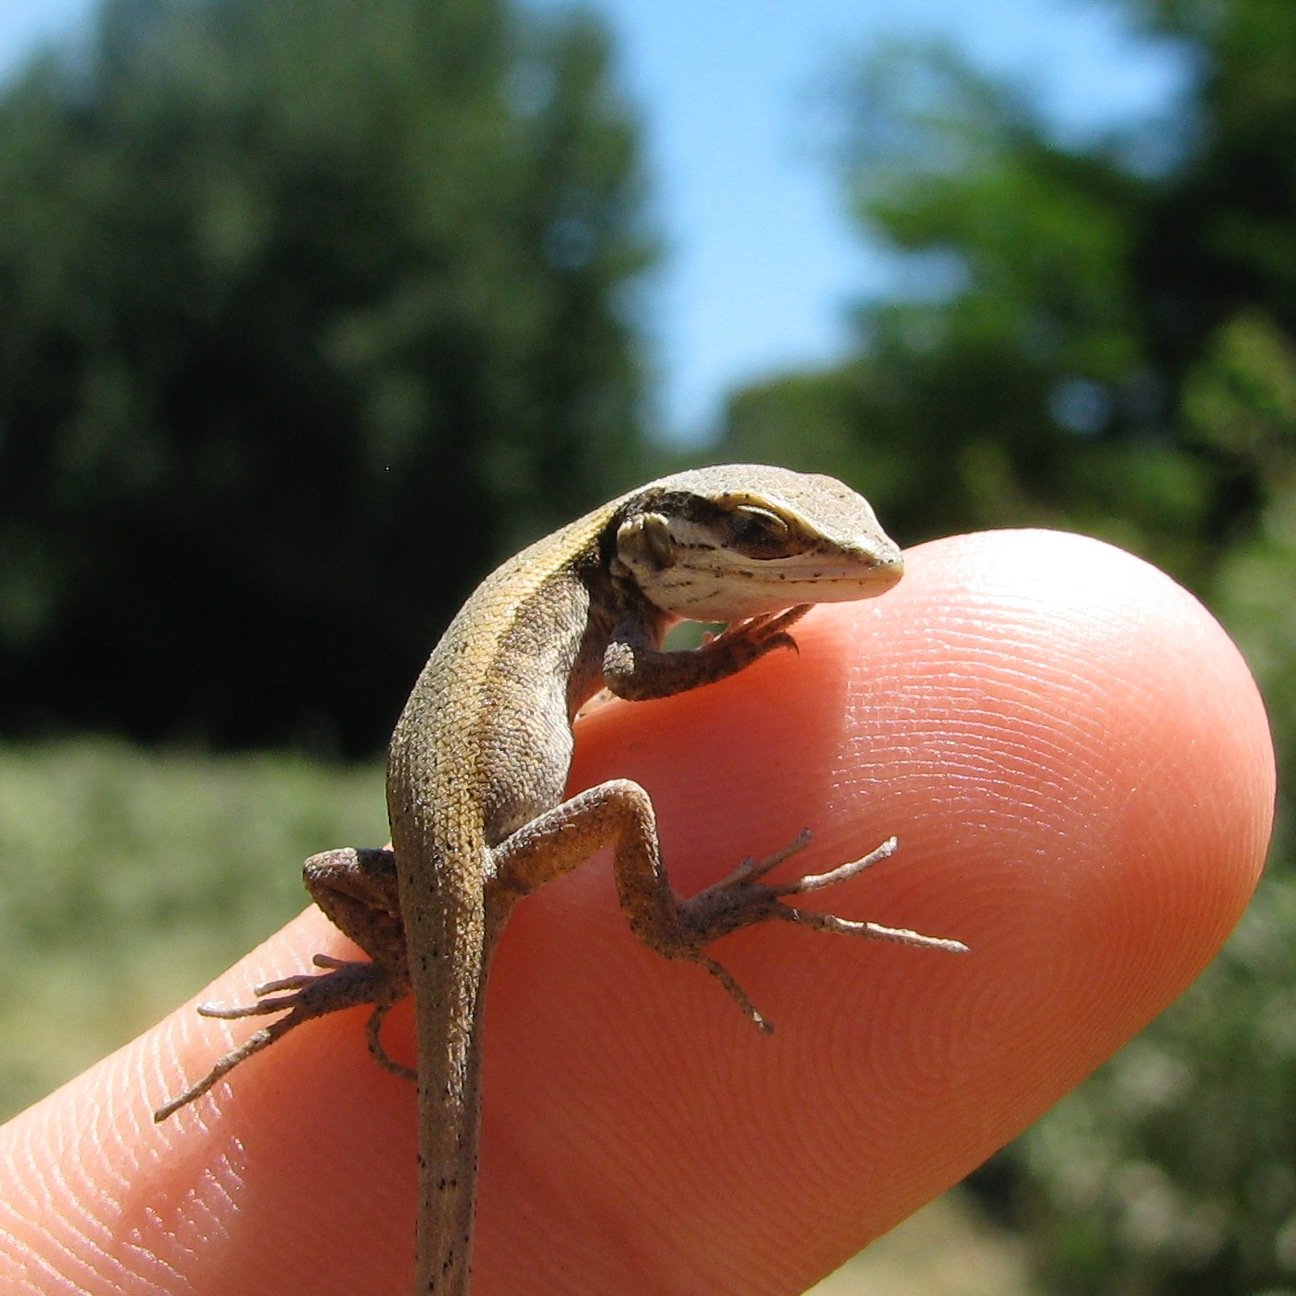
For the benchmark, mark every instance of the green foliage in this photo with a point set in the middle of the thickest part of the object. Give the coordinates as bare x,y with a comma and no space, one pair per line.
1102,336
128,880
306,306
1011,379
1171,1169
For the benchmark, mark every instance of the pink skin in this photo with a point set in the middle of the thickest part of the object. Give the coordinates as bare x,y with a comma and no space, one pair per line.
1078,767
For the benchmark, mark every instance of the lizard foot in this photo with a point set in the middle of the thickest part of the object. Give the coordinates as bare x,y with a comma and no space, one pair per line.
343,985
743,642
742,898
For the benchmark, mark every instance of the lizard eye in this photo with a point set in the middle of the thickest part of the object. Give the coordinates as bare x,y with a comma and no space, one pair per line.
760,533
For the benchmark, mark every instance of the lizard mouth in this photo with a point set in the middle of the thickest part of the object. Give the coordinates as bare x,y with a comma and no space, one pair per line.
718,591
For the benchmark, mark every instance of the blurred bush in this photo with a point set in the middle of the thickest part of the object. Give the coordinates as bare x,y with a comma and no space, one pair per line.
129,880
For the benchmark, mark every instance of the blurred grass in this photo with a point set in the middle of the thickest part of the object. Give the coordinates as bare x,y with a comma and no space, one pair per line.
129,878
947,1247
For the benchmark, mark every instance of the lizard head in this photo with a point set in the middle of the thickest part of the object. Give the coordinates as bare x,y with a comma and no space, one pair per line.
742,540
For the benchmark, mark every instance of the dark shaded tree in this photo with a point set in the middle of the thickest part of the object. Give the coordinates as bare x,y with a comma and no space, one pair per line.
308,312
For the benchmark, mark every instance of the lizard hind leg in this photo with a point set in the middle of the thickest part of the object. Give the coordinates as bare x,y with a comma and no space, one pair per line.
741,899
619,814
356,889
342,985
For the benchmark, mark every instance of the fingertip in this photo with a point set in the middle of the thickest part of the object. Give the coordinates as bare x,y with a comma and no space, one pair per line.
1077,764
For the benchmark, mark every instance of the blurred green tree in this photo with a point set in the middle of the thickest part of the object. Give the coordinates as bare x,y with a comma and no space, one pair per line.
1012,377
1054,298
1102,335
308,312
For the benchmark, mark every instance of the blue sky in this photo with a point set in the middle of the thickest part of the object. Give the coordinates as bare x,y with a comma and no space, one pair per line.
761,262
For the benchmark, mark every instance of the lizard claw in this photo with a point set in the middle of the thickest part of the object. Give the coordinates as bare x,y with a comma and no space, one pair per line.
342,985
742,898
749,640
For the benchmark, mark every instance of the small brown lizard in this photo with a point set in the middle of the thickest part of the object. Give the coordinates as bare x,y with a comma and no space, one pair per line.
480,757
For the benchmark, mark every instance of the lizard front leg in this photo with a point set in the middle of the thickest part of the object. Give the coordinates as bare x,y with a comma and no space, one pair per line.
619,814
635,669
356,889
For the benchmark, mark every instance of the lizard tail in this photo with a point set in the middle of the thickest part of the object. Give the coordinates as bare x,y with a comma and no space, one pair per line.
449,1021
